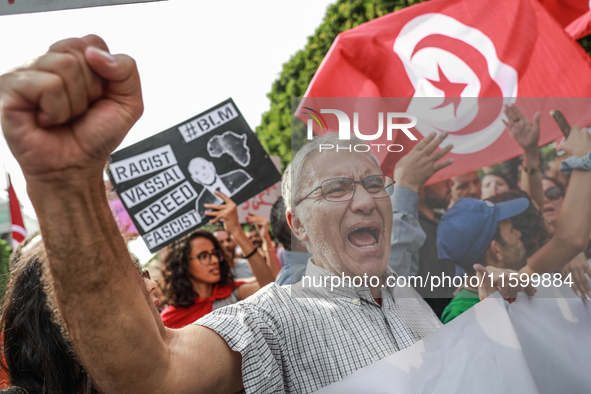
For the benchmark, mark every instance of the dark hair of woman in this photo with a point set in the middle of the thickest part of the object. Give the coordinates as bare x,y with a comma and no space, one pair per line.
530,223
503,176
555,181
279,225
177,281
37,357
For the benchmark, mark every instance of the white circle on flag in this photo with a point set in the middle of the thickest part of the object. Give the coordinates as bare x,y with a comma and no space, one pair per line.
434,48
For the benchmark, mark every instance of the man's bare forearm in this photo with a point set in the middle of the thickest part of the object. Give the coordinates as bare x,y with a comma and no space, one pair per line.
574,223
271,255
116,332
531,177
257,263
62,116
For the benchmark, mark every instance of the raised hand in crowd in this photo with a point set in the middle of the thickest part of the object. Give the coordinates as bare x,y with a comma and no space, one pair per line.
65,112
571,236
580,273
262,227
416,167
527,135
228,212
62,115
494,279
412,171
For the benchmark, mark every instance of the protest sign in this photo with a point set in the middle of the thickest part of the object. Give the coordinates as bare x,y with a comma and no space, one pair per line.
534,345
8,7
164,181
262,203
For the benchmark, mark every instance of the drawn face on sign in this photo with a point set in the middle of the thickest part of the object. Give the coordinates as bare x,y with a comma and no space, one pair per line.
202,171
460,83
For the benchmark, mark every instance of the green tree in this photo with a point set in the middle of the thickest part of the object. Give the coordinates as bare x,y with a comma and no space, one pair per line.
4,271
586,43
275,131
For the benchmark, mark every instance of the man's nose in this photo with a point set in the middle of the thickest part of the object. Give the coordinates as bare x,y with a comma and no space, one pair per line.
150,285
362,201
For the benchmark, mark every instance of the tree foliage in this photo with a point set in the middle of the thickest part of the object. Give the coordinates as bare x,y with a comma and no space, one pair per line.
275,131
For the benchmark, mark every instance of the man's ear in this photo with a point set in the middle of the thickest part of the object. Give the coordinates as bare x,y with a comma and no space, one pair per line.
494,254
296,226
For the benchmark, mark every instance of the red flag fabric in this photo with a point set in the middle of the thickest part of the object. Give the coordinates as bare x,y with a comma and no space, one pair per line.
580,27
566,11
573,15
18,225
458,62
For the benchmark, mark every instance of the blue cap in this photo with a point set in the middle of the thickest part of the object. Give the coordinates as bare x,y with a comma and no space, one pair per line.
468,227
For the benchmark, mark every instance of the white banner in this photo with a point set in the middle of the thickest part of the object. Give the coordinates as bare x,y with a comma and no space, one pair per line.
535,345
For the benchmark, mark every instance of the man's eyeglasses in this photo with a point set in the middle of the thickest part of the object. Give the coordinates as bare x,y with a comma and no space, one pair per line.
205,257
554,193
343,189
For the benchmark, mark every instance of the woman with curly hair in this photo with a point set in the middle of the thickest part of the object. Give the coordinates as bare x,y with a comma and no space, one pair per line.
197,275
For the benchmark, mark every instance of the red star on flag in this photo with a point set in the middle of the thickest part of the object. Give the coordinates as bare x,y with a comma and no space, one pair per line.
452,90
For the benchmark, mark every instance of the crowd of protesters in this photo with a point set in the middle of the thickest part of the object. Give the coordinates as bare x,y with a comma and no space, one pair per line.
77,319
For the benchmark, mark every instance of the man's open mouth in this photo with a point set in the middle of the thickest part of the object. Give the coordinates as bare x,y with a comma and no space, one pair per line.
364,237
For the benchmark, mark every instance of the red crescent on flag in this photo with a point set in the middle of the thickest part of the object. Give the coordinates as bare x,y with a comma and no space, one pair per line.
477,62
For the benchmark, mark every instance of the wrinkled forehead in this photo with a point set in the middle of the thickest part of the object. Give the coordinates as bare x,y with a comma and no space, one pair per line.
322,166
221,234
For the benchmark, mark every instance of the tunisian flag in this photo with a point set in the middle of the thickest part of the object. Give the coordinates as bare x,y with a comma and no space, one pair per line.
454,64
18,225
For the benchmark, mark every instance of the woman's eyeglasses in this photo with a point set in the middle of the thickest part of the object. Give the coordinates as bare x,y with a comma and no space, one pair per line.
146,274
205,257
554,193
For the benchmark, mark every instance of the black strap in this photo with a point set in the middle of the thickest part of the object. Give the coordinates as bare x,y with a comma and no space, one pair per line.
251,253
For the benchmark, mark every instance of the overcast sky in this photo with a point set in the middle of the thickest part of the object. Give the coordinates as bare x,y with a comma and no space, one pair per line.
191,54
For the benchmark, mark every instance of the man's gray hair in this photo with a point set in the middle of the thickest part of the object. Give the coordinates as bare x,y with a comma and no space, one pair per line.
291,175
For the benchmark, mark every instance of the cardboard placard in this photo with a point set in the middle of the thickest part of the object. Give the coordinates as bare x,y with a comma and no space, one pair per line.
165,180
262,203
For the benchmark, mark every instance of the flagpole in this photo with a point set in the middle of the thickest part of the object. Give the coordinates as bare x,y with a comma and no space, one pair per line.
6,178
4,169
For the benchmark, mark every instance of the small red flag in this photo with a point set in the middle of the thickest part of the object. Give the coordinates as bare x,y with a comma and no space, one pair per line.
18,225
